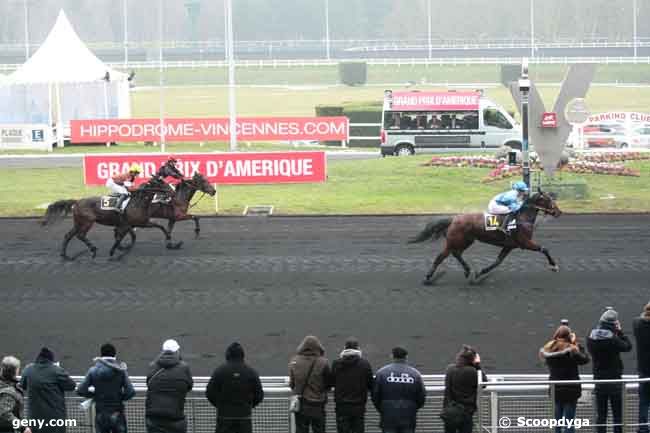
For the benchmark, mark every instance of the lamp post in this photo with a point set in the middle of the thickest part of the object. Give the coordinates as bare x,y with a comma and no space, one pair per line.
532,29
429,25
126,34
634,29
26,15
524,88
161,75
327,29
230,56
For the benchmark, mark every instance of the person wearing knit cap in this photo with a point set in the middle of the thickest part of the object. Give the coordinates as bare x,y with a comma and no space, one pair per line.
605,344
107,383
234,389
352,380
641,326
45,384
168,383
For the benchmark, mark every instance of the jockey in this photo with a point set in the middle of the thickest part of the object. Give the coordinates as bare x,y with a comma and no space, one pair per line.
508,203
123,184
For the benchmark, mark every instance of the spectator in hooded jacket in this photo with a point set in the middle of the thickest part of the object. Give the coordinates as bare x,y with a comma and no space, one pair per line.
46,383
234,389
168,382
398,393
352,379
563,354
461,386
12,401
605,344
112,388
641,326
309,376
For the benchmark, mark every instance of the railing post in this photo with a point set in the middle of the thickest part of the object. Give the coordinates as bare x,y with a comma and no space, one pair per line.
623,406
494,409
552,394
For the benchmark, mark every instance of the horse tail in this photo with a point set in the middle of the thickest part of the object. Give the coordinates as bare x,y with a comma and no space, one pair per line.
57,211
435,229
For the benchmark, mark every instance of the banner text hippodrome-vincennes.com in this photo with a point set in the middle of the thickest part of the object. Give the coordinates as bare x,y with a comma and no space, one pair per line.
210,129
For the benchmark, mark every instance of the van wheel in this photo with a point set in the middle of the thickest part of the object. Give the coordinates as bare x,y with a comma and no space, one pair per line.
404,150
514,145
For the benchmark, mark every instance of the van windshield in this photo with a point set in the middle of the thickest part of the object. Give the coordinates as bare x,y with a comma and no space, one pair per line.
439,120
494,117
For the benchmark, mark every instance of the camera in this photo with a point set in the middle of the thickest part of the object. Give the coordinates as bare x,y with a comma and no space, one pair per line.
564,322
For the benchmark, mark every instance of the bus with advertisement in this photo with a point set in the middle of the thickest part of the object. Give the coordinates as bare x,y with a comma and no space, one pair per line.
425,121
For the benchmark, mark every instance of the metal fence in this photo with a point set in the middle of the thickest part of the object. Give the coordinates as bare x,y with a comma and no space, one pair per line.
509,396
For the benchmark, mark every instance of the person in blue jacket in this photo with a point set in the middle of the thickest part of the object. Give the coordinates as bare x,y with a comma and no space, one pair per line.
508,203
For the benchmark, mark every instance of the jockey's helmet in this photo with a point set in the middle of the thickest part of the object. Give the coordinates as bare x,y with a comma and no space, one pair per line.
135,168
520,186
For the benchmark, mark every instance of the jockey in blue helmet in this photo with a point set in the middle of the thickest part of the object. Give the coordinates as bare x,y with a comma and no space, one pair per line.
508,203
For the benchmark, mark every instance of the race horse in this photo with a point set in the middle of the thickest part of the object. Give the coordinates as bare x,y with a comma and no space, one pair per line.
175,208
462,230
88,211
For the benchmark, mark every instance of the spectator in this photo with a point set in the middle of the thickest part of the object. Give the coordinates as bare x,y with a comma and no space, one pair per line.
563,354
461,385
112,388
605,344
46,383
234,389
168,382
641,327
352,379
309,376
12,402
398,393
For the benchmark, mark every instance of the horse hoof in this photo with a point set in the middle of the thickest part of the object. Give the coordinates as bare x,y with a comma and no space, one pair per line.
174,246
427,282
555,268
93,253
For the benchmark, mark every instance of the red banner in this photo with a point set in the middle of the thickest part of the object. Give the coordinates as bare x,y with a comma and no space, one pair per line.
219,168
210,129
454,101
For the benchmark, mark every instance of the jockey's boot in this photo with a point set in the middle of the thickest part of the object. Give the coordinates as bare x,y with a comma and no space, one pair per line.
504,225
120,202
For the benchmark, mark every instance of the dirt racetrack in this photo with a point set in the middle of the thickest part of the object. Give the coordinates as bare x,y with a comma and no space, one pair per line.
267,282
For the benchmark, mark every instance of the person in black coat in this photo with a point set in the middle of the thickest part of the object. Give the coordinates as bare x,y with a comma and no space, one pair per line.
46,383
461,386
605,344
398,394
234,389
168,382
641,326
563,354
352,380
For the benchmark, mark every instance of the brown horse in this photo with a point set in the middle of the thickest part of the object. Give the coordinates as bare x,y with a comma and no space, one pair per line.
88,211
462,230
176,208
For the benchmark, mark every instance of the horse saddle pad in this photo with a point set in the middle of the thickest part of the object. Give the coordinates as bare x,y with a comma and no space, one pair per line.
493,222
109,202
162,198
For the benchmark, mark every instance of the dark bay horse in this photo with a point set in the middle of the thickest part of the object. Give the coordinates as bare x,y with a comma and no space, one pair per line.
462,230
176,208
88,211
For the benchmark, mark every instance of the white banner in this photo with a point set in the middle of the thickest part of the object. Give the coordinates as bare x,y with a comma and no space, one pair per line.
26,136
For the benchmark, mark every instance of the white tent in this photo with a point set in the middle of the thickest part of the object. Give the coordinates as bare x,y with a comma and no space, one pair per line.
64,77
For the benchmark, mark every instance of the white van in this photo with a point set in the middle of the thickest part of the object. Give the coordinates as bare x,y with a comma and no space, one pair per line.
417,122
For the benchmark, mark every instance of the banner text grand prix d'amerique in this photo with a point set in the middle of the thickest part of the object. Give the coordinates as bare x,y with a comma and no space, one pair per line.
210,129
219,168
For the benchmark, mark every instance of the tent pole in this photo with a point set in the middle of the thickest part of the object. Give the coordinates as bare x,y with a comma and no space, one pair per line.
59,123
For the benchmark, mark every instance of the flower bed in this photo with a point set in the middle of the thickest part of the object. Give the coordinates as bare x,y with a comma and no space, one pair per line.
599,163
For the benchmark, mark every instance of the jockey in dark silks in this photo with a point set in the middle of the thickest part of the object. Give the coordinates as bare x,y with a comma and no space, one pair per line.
508,203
